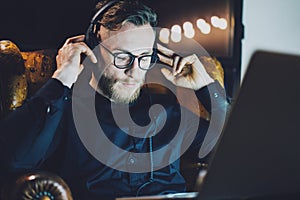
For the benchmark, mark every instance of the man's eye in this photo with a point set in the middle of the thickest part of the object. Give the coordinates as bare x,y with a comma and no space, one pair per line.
146,58
123,57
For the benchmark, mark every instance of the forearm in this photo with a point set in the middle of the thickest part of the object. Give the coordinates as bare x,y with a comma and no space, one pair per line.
24,138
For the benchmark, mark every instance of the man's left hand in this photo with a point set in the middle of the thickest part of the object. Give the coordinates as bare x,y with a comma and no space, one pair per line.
186,72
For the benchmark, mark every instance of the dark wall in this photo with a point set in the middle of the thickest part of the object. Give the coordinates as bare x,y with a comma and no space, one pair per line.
34,24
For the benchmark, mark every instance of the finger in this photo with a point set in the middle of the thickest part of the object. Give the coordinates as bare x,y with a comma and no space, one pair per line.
169,57
168,75
75,39
165,51
88,52
186,62
165,60
175,66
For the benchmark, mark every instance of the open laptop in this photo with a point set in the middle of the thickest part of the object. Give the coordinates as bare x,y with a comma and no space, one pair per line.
258,154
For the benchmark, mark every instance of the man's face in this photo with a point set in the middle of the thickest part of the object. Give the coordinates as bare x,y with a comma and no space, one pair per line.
123,85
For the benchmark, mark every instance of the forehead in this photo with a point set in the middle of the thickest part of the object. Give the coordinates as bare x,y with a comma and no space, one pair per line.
130,37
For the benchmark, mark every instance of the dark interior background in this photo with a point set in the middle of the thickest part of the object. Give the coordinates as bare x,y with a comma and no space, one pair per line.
34,25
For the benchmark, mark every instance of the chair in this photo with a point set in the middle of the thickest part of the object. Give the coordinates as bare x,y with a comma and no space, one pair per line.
39,186
22,74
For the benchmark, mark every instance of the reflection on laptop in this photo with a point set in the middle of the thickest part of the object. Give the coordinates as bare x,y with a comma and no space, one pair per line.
177,196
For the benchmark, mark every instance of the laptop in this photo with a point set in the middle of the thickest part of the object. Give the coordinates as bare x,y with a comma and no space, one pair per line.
258,154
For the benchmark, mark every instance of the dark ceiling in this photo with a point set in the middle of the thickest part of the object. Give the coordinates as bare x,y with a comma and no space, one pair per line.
35,24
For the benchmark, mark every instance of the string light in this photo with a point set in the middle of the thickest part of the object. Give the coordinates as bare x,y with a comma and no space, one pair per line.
176,33
188,29
222,23
187,25
217,22
203,26
164,35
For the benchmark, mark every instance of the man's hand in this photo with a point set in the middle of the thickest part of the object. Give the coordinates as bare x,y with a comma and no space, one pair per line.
68,60
186,72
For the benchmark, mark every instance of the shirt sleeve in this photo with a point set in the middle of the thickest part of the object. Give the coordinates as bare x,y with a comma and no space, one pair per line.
213,98
24,138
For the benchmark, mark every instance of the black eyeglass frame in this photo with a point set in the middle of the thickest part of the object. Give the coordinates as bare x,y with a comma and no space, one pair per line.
154,58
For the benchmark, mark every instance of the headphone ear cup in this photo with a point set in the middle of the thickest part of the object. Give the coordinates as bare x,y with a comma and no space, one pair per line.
91,40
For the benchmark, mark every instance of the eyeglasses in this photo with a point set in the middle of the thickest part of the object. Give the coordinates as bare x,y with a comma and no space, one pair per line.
124,60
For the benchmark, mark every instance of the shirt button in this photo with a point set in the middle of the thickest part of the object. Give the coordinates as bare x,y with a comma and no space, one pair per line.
66,98
216,95
131,161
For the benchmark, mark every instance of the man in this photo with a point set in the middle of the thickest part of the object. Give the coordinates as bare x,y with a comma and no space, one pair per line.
98,134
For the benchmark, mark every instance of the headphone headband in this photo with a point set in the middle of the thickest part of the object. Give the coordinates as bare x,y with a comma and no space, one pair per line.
99,13
89,35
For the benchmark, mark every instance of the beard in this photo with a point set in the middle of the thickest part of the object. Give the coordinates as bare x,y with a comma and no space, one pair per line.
112,89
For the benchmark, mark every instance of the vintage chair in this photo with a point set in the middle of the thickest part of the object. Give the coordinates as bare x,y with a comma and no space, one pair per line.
38,186
22,74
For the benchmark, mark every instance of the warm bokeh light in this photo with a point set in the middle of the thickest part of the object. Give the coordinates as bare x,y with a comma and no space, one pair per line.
176,28
188,29
200,23
175,36
176,33
164,35
203,26
206,29
223,24
217,22
187,25
189,33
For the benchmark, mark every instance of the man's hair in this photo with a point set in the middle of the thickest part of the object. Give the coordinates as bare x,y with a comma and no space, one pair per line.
132,11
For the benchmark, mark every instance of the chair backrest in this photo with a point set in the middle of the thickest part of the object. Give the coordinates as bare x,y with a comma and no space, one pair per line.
22,74
37,185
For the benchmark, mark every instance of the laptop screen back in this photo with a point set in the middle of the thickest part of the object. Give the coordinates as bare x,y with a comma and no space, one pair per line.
258,154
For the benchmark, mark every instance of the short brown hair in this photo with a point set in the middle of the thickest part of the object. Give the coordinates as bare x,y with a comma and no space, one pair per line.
132,11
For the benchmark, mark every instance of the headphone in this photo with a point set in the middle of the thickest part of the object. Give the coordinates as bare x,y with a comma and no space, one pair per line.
91,36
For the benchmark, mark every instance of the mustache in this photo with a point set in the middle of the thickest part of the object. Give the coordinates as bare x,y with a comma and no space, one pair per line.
131,81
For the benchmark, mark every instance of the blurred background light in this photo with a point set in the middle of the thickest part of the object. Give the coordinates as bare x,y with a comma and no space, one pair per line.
188,29
164,35
176,33
220,23
223,23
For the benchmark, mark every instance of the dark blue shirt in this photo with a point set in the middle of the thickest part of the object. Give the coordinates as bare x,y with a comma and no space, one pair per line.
53,138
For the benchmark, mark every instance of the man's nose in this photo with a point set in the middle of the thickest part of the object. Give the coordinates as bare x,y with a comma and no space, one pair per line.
133,70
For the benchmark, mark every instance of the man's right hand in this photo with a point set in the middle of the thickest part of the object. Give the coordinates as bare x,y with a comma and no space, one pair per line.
68,60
